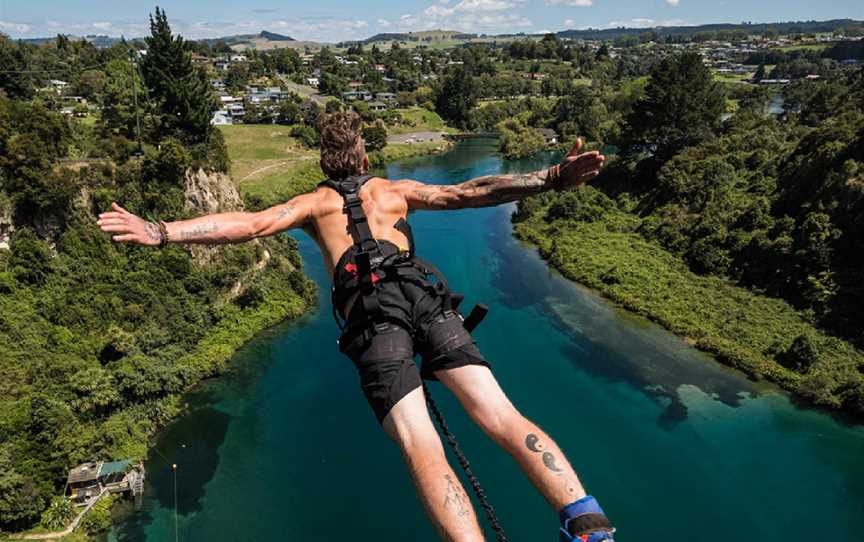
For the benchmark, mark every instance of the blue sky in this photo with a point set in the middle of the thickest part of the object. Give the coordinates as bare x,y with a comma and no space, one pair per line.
336,20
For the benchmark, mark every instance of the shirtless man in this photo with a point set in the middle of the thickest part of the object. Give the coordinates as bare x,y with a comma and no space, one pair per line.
392,307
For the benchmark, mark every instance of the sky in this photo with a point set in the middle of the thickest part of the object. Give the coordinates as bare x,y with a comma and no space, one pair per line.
339,20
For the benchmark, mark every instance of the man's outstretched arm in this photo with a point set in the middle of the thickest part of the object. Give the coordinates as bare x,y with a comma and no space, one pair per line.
213,229
576,169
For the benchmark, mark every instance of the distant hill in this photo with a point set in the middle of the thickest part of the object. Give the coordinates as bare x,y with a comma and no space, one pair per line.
424,36
803,27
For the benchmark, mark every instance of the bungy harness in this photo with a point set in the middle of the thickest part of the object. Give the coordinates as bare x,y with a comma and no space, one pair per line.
373,265
376,262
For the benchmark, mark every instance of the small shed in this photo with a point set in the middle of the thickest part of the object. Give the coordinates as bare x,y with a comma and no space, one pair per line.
89,480
550,135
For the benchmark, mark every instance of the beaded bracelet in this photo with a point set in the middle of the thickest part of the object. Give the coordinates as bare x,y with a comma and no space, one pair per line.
163,233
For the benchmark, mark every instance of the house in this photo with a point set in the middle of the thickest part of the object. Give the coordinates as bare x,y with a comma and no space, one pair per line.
221,118
380,68
221,65
312,81
774,81
357,95
218,84
89,480
385,97
235,111
238,58
377,106
355,85
549,135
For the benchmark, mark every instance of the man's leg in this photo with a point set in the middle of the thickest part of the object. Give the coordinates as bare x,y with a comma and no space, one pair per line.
445,500
537,454
581,517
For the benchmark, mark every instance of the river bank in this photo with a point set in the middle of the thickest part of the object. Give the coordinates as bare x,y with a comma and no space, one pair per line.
742,329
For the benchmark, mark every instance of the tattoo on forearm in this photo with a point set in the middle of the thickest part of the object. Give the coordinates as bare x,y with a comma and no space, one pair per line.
152,231
198,231
549,461
285,210
456,499
483,191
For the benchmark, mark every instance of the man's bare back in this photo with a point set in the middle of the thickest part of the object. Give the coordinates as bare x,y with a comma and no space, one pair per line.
384,203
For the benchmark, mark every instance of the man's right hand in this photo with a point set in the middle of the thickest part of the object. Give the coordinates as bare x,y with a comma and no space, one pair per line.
577,169
129,228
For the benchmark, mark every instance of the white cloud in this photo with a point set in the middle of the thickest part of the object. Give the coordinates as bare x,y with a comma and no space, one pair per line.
573,3
441,9
673,3
7,26
102,25
644,22
383,23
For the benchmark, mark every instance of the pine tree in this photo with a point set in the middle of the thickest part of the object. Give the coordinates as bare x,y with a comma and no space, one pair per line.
682,106
180,91
760,73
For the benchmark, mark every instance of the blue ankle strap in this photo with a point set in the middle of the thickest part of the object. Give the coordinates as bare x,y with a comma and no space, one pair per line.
585,505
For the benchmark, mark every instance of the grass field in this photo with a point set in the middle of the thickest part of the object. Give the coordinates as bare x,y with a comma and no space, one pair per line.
420,119
268,165
732,77
804,46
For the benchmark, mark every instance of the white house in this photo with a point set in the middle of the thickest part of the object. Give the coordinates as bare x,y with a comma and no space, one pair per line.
312,81
221,118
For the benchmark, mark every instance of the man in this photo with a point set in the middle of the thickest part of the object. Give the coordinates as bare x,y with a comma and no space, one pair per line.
393,308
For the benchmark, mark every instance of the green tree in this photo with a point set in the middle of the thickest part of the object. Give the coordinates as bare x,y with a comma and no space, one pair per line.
59,513
180,90
519,140
457,95
375,137
682,106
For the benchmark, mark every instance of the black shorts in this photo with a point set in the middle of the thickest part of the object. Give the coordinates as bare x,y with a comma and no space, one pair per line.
385,359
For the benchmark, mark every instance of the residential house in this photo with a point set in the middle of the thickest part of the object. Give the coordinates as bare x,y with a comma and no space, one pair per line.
313,81
388,97
377,106
89,480
363,95
550,135
221,118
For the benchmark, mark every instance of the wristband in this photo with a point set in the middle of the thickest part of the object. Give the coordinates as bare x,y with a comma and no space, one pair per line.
553,177
163,233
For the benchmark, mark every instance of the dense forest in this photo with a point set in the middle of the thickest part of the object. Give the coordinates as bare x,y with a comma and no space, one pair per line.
707,198
98,340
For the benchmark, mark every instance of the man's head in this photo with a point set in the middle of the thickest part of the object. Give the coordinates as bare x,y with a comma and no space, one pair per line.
343,151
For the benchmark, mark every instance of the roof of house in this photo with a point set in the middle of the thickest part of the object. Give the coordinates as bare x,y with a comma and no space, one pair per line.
86,472
115,467
547,132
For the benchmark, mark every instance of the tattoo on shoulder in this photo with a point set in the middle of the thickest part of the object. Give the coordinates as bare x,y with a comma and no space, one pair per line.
456,499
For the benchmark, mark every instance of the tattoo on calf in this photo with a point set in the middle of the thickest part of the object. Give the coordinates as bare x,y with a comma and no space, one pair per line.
456,499
549,461
532,442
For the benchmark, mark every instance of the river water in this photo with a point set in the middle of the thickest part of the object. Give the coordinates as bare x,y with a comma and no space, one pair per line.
675,446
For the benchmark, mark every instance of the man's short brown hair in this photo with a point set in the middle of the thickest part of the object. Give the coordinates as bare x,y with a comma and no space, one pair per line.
343,150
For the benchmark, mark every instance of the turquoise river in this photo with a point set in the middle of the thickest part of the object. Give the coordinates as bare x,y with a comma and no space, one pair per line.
676,446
